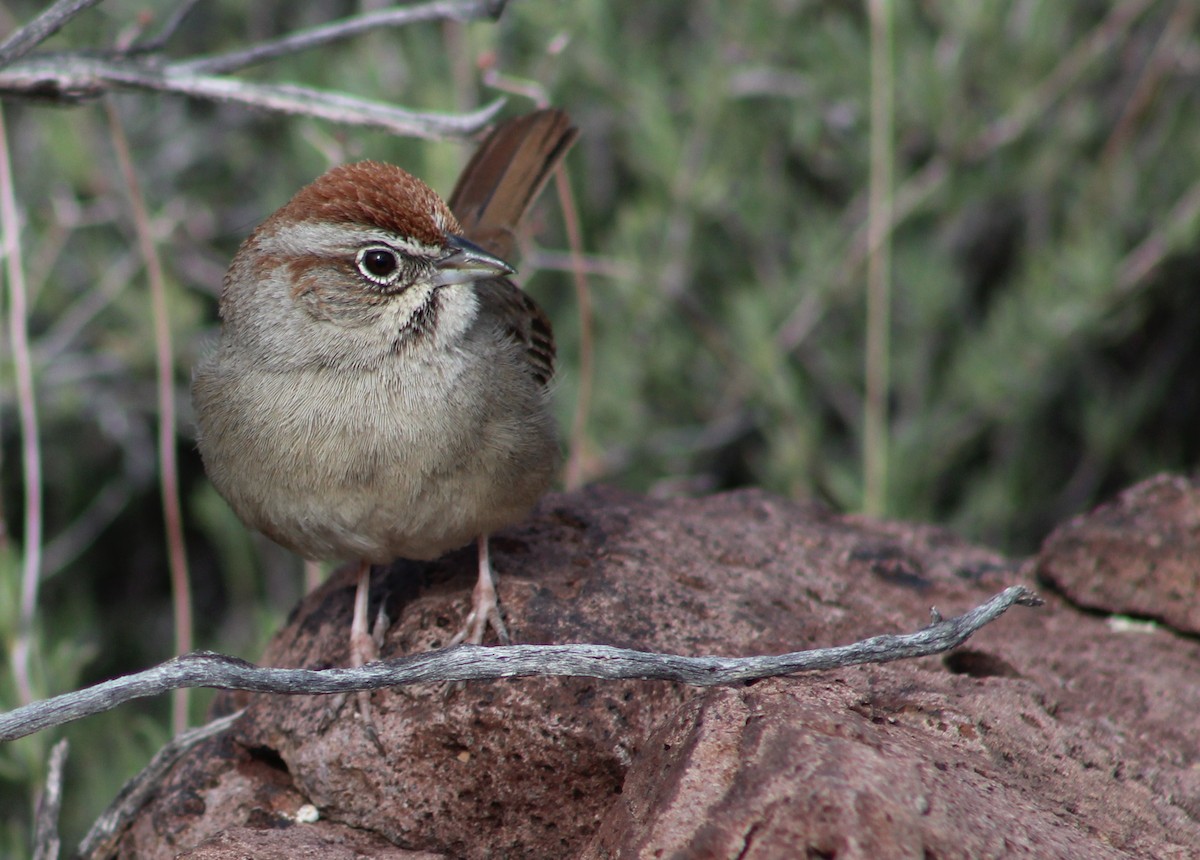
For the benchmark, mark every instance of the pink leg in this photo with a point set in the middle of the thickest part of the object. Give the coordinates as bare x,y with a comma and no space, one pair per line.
485,605
362,647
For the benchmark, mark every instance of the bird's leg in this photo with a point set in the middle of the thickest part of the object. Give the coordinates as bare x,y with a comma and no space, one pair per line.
363,647
485,605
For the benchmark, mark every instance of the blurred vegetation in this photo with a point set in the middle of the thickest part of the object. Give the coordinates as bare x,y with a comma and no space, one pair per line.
1045,290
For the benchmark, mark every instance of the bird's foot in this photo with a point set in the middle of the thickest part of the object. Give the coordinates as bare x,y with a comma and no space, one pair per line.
485,606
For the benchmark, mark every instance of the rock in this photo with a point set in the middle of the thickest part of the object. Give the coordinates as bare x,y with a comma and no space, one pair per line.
1138,555
1050,734
328,842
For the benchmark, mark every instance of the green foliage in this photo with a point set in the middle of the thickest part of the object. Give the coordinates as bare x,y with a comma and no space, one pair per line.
1044,282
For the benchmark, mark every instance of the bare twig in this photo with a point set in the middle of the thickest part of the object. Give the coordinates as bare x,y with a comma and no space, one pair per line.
575,470
476,663
575,473
74,320
31,454
100,840
1170,231
532,90
910,195
170,26
71,78
589,264
315,37
168,467
49,803
1170,48
463,73
76,76
40,29
1036,103
100,512
877,363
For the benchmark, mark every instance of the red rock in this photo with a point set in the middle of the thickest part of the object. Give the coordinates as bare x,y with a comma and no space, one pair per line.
1138,555
327,842
1049,735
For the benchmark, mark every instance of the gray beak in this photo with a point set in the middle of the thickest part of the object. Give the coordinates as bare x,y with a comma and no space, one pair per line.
468,262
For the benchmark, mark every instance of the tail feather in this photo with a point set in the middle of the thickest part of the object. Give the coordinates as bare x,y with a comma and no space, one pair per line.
505,175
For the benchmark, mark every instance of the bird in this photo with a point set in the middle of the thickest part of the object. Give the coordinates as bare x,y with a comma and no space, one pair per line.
380,388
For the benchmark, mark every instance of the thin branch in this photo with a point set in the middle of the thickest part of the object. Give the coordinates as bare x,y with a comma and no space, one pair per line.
910,195
315,37
49,803
31,454
589,264
169,27
476,663
74,320
575,470
77,76
101,838
99,514
1035,105
1170,48
1171,230
73,78
40,29
877,363
574,475
164,365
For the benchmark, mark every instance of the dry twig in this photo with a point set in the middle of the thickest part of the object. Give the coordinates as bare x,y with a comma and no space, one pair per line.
77,76
164,364
101,838
476,663
31,452
45,819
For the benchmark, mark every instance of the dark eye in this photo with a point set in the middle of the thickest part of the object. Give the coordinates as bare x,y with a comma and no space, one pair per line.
378,264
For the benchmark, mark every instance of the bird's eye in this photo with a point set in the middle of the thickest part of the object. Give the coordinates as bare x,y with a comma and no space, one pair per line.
380,264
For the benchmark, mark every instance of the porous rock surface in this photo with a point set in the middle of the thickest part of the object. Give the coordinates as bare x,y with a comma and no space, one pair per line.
1053,733
1137,555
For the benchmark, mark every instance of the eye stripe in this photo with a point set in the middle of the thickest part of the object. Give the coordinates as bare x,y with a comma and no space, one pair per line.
412,248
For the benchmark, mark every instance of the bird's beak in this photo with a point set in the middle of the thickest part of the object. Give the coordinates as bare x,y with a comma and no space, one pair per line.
468,262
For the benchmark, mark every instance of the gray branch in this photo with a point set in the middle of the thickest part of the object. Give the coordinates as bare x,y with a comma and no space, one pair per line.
315,37
41,28
170,26
74,78
476,663
45,818
101,838
78,76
